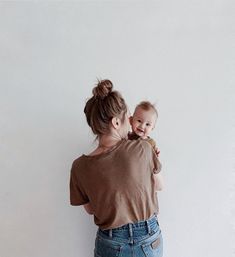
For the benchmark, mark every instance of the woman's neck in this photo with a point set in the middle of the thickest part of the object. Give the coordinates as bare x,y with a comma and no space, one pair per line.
108,141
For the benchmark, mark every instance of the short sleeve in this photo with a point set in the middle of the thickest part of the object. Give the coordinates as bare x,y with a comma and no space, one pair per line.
77,195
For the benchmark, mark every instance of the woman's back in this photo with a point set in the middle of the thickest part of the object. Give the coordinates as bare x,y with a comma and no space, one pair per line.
119,184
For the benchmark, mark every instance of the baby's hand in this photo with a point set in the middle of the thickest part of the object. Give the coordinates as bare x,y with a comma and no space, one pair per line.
157,151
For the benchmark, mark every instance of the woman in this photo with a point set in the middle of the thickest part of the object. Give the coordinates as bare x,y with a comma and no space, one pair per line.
115,182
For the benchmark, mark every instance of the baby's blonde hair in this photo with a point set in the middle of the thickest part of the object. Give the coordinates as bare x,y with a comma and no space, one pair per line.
146,105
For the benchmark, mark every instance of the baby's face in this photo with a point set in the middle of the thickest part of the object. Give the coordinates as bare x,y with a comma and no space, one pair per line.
143,122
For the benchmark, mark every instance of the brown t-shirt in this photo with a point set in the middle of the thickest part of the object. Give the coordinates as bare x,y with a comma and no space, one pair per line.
119,184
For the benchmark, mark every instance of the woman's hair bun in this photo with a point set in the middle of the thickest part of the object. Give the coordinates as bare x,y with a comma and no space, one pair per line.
103,88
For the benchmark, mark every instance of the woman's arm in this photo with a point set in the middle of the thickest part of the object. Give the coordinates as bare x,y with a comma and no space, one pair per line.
88,208
158,182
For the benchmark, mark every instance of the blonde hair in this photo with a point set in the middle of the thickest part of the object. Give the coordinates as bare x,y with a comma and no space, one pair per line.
146,105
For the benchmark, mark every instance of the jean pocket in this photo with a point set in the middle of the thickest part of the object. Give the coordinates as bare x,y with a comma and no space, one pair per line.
106,247
153,246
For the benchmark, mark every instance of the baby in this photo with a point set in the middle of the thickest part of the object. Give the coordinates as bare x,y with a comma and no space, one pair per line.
143,122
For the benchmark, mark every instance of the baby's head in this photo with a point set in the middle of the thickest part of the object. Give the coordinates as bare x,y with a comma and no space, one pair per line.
144,119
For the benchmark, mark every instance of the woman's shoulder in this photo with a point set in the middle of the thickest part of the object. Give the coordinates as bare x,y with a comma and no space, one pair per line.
126,145
78,162
136,144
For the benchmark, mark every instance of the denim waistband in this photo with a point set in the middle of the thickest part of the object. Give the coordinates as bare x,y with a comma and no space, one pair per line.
144,227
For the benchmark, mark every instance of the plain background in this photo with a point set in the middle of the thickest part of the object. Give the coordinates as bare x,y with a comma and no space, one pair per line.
176,54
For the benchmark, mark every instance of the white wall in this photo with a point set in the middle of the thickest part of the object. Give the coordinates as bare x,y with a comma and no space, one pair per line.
177,54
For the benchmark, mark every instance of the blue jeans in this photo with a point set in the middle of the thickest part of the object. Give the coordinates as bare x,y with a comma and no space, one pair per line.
140,239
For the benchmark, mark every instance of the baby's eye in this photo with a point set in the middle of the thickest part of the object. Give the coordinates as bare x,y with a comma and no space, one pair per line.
148,124
139,120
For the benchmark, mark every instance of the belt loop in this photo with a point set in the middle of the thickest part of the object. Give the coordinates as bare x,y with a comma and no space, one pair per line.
131,233
148,227
130,230
110,233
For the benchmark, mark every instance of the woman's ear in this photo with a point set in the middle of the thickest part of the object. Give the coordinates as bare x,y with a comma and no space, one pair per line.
116,122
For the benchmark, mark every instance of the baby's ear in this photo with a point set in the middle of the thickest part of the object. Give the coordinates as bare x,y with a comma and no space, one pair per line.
131,119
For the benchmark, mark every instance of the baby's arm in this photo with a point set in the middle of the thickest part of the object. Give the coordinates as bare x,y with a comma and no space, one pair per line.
153,144
157,151
158,179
